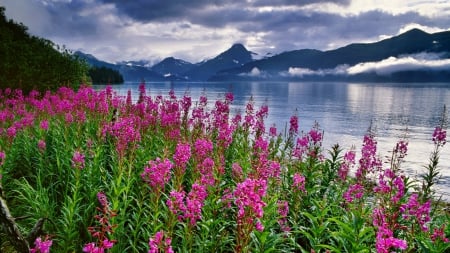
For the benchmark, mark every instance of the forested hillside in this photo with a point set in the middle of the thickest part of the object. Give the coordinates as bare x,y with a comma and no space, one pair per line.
29,62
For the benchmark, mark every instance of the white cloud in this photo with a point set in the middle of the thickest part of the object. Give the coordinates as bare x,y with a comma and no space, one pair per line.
255,72
300,72
406,63
421,61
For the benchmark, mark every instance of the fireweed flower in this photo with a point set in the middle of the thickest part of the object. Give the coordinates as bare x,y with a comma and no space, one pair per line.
368,162
273,131
248,198
439,234
301,147
349,161
385,241
419,212
2,158
182,155
77,160
157,174
299,182
283,211
315,135
202,147
44,124
293,125
175,203
42,246
41,145
194,203
100,232
355,191
206,170
160,242
439,136
401,149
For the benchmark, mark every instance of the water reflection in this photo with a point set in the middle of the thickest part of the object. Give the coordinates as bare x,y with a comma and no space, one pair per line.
344,111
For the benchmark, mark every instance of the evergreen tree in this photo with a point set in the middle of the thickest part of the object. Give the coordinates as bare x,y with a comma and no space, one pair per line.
29,62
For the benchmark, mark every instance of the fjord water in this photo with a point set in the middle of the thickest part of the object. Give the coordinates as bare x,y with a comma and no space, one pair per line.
343,110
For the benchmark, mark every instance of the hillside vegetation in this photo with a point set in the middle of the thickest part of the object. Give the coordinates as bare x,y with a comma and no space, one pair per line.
29,62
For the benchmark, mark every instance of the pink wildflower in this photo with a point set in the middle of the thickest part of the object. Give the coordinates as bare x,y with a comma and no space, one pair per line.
349,161
42,246
78,160
41,145
419,212
2,158
355,191
160,241
439,234
175,203
273,131
293,125
157,174
439,136
385,241
299,182
194,203
44,124
182,155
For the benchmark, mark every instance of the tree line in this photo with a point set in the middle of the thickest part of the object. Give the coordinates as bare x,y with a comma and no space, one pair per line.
29,62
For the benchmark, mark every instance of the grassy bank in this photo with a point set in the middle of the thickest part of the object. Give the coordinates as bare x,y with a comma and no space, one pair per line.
94,172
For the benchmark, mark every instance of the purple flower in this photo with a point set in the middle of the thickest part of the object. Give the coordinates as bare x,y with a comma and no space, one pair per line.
175,203
41,246
44,124
91,248
349,161
102,199
2,158
419,212
203,147
259,226
78,160
299,182
157,174
355,191
41,145
401,148
293,125
439,233
248,198
439,136
160,241
385,241
194,203
182,155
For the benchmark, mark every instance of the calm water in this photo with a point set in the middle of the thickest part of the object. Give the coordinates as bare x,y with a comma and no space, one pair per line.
343,110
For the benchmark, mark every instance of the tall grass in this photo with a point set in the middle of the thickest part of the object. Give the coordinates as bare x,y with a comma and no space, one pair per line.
168,174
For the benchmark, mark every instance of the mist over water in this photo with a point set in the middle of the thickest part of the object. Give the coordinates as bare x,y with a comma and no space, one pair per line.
344,111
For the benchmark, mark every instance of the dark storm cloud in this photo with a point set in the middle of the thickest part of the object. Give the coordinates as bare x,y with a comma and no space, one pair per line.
157,10
318,30
66,19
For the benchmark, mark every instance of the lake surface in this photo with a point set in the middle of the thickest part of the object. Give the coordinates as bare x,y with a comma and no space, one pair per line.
343,110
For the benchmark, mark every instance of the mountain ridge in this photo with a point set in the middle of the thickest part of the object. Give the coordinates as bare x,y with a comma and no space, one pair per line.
237,63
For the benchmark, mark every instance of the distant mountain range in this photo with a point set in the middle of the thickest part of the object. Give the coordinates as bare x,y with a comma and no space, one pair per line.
414,56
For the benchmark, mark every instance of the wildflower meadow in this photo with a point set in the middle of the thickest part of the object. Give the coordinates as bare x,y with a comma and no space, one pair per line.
91,171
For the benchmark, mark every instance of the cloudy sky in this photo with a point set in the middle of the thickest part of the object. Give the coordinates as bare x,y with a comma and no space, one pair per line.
117,30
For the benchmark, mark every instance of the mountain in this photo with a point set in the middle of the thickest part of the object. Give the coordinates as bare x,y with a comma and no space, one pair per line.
172,68
405,57
235,57
129,71
322,64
